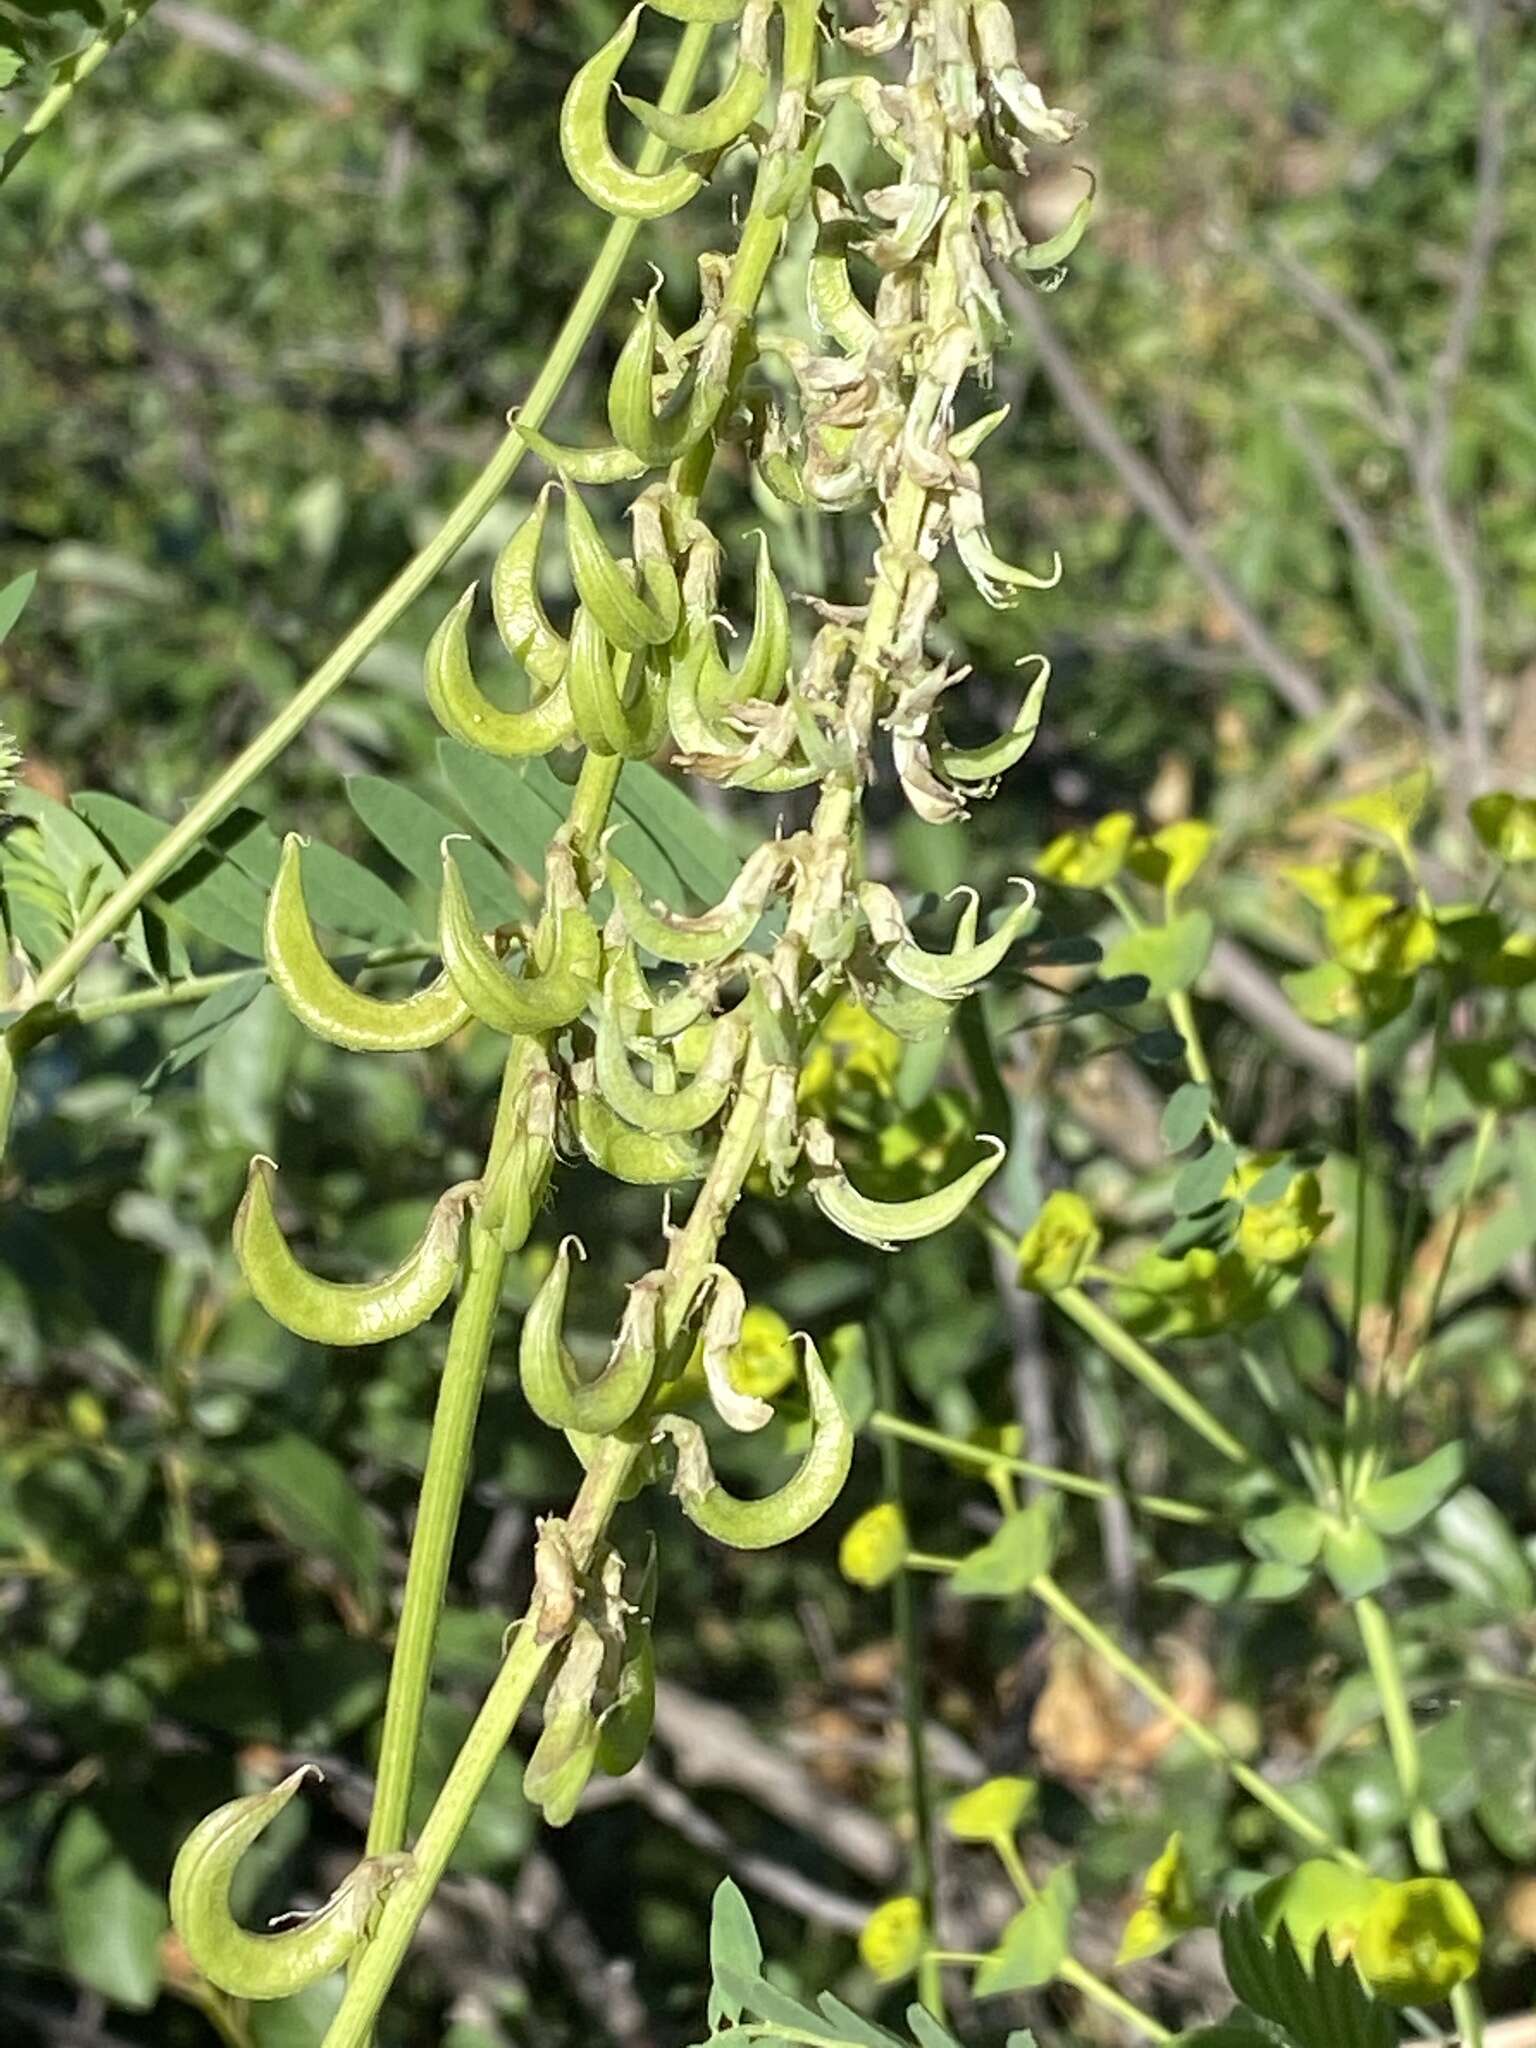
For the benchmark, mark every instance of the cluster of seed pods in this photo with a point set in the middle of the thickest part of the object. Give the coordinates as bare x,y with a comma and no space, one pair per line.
666,1048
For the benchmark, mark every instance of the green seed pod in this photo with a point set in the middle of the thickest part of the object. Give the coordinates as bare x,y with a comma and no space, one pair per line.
800,1501
703,940
266,1965
722,1333
963,445
347,1312
686,1108
618,706
607,590
520,617
887,1224
329,1006
552,1380
901,1009
764,671
999,582
589,155
635,1156
945,975
540,1001
995,757
657,442
697,733
733,109
566,1751
518,1179
647,1014
462,708
610,465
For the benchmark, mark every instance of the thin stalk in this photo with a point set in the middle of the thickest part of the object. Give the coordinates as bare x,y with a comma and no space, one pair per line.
888,1425
453,1424
79,69
908,1636
1424,1831
1409,1226
1126,1350
412,580
1088,1632
1070,1970
1487,1124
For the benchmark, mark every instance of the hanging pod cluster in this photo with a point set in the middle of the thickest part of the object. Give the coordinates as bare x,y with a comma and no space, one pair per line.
665,1045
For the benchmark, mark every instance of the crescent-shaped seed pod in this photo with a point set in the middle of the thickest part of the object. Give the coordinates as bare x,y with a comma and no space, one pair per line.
265,1966
647,1013
639,1157
698,733
616,705
687,1108
887,1224
463,710
659,441
609,464
540,1001
525,630
803,1498
764,671
589,154
566,1751
950,975
709,938
552,1381
330,1007
994,758
999,582
733,109
608,590
347,1312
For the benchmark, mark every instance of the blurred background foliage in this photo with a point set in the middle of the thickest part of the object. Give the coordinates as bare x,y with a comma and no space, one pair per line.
267,290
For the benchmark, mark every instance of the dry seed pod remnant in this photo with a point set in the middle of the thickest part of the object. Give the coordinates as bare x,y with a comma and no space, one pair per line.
875,418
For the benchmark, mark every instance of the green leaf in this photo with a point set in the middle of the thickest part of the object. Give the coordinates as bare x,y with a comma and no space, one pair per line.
1291,1535
1324,2007
83,866
502,805
1171,956
926,2030
109,1920
342,894
205,1026
1021,1550
733,1946
1217,1584
1356,1560
854,2028
213,898
310,1502
13,598
1472,1547
755,1995
1398,1503
704,859
1035,1941
413,830
1184,1118
1202,1182
299,2020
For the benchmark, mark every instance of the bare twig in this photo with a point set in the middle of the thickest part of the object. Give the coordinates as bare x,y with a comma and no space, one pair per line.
1251,992
603,1986
669,1804
257,53
1295,685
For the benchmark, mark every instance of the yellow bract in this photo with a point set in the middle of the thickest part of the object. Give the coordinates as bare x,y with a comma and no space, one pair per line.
1171,858
892,1942
874,1548
1165,1907
1506,824
1393,810
1062,1240
851,1053
1275,1233
1419,1940
1375,935
763,1361
993,1812
1087,860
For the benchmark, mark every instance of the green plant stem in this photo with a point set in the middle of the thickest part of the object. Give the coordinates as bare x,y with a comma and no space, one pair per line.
1357,1282
1486,1126
1424,1831
80,68
412,580
382,1955
1126,1350
1070,1970
458,1407
905,1621
886,1424
1088,1632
